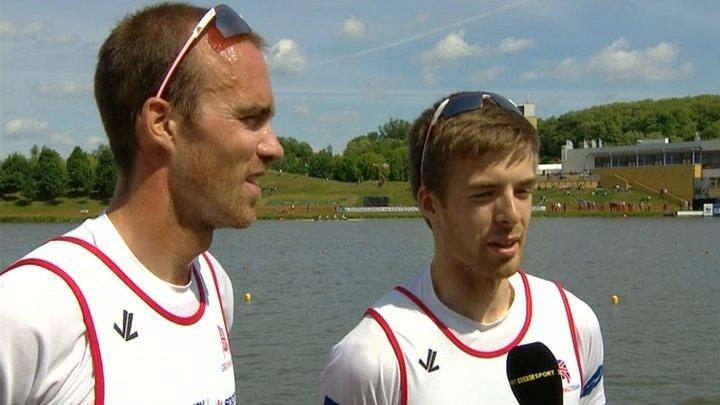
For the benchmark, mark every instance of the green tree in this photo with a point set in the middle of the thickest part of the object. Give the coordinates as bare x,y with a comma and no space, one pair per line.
371,165
17,171
711,131
80,171
362,144
399,164
50,174
29,189
105,172
321,164
387,138
624,123
297,156
34,152
395,128
345,169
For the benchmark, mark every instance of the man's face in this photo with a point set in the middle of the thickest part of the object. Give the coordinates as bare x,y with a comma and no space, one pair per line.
222,154
480,227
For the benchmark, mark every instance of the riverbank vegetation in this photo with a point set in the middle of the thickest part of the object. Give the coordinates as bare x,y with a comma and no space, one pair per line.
292,196
308,184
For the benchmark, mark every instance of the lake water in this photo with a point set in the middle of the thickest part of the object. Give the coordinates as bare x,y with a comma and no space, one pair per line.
312,281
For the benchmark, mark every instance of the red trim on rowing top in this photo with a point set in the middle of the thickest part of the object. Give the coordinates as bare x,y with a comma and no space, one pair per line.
137,290
398,353
99,389
573,333
217,289
467,349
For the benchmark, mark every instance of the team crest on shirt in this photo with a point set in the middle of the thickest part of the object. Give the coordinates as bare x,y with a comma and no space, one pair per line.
563,371
565,374
225,344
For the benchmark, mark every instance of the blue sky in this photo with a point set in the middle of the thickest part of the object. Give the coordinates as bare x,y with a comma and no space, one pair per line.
341,68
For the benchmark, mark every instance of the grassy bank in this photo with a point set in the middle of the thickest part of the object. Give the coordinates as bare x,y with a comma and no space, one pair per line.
290,196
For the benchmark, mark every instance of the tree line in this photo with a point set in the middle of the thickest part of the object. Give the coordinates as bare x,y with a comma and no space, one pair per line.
378,155
679,119
46,176
381,155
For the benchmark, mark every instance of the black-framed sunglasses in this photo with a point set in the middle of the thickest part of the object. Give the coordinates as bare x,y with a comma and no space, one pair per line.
458,104
227,21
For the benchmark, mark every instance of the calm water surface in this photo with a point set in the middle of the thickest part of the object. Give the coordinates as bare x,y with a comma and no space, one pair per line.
312,281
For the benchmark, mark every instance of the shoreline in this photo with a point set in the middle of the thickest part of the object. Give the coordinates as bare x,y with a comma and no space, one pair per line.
328,218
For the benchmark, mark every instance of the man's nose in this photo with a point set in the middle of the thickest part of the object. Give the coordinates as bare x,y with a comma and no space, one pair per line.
269,148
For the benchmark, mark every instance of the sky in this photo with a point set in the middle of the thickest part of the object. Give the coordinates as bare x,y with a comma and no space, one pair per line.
342,68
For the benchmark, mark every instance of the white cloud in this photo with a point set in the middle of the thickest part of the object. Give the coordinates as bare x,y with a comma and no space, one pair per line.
64,138
59,40
512,45
451,48
343,117
62,89
25,126
353,28
430,76
487,75
571,68
618,62
287,57
95,141
301,109
11,30
41,33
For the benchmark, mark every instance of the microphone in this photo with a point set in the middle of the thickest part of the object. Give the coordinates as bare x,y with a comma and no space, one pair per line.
532,371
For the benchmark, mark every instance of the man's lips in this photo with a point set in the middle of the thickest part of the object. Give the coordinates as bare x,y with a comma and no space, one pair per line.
253,181
506,247
254,178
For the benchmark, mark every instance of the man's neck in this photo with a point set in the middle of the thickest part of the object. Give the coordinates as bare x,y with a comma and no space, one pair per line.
470,293
150,228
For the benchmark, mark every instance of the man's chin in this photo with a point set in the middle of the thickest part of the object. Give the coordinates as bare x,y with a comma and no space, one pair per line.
509,268
238,220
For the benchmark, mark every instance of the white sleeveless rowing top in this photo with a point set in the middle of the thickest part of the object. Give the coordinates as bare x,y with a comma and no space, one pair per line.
142,353
437,368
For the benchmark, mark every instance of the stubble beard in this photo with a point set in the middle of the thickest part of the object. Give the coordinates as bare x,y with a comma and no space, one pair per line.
208,195
483,265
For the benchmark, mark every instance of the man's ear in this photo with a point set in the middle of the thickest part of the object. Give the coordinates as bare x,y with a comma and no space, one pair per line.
156,125
428,203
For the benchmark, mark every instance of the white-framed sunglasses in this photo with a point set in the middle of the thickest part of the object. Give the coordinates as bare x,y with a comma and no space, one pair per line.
227,21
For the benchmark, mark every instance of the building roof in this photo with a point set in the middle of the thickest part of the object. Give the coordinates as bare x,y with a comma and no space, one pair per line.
704,145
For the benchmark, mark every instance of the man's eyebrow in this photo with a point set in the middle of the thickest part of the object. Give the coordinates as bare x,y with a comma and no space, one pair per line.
246,110
530,181
481,184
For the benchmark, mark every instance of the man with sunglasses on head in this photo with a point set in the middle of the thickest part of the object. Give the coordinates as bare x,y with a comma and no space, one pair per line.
130,307
443,336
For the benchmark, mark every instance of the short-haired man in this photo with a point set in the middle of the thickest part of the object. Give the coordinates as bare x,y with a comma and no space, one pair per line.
443,336
130,307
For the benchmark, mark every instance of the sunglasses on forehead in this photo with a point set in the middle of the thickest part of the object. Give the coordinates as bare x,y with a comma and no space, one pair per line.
227,21
458,104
